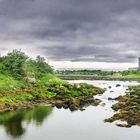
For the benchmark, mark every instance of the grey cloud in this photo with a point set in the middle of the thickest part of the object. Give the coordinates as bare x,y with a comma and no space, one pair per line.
89,53
86,30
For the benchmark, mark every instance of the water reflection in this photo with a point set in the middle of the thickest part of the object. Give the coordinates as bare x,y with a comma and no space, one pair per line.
13,121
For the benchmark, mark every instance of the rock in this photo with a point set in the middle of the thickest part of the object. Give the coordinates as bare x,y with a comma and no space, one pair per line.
82,109
97,102
65,106
111,91
6,105
111,99
30,80
109,87
59,106
124,125
118,85
58,97
73,107
103,104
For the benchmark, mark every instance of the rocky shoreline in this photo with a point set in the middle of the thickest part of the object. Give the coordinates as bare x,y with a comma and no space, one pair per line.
66,102
68,96
128,109
78,97
77,103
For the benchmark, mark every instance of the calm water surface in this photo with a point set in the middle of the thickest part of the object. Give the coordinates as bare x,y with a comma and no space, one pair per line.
46,123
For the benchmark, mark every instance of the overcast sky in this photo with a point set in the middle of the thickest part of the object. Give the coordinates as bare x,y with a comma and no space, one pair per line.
73,33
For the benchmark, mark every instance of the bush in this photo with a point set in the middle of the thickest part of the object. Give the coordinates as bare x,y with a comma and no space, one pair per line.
18,64
13,63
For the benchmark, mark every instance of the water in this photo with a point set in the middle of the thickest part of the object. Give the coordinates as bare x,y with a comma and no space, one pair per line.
59,124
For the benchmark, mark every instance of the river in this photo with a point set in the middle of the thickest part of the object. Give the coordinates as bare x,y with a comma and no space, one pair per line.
46,123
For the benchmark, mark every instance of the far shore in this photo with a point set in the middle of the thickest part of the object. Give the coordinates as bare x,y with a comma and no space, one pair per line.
90,77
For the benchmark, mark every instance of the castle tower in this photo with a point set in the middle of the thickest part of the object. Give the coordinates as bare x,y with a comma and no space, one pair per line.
139,62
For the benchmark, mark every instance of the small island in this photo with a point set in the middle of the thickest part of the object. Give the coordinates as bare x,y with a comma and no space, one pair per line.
26,82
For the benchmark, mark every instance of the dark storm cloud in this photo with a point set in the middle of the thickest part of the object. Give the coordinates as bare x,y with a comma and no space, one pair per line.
74,30
88,53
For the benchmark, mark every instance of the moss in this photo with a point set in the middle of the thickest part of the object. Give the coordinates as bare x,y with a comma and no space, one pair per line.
129,107
51,94
82,89
33,95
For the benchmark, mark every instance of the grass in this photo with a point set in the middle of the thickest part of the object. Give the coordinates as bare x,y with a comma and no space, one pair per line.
48,80
8,83
48,86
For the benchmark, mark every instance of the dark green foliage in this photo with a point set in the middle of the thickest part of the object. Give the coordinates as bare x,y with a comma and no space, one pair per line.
99,73
13,63
85,72
18,64
42,66
16,91
37,68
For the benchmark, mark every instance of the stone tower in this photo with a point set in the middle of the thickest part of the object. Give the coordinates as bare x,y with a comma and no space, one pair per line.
139,62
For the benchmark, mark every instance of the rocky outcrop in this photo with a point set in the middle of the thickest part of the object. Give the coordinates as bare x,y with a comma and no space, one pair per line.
76,103
30,80
128,109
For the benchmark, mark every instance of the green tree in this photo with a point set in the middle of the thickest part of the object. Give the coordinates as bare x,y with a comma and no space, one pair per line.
13,63
42,66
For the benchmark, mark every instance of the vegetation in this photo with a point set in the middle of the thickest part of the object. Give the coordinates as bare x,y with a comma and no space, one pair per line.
99,74
85,72
25,82
128,107
19,65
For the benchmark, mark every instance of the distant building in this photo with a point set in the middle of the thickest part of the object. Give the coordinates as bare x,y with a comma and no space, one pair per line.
139,63
136,68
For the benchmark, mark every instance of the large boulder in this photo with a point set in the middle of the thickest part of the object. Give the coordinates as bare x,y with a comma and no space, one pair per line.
30,80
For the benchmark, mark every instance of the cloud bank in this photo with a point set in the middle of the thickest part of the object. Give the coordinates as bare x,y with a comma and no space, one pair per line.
98,31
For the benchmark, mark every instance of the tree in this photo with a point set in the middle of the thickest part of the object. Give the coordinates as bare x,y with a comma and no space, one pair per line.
13,63
19,65
42,66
